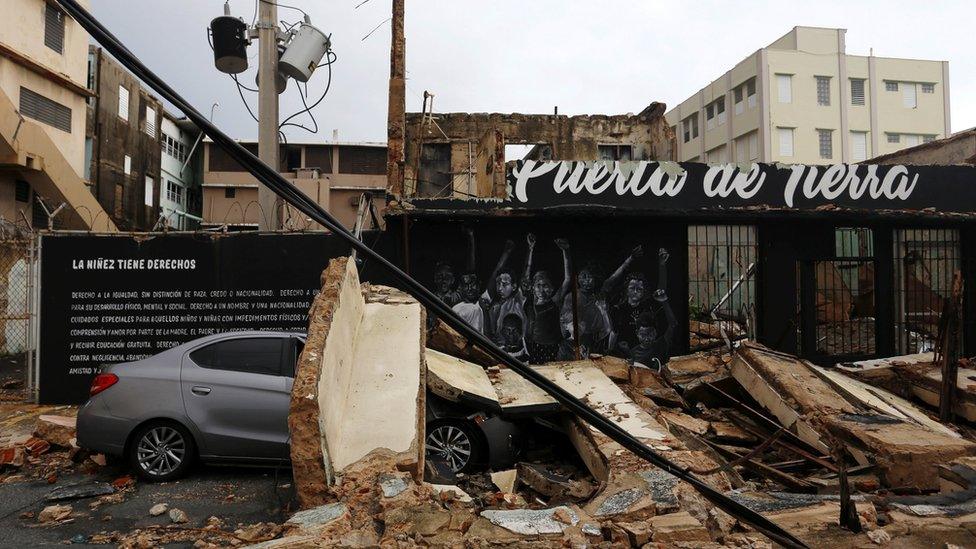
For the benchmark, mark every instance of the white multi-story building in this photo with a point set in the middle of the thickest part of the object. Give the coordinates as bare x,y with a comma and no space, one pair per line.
803,99
179,173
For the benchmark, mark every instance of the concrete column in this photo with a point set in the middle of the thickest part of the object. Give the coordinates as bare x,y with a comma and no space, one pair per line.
873,97
762,87
845,100
271,205
945,97
396,111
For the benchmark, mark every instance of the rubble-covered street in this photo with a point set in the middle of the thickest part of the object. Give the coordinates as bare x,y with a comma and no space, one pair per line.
53,493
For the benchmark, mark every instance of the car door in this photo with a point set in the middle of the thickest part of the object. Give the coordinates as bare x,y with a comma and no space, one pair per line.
235,393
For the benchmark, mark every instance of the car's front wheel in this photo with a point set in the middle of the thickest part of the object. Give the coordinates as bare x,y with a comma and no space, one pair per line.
456,443
161,451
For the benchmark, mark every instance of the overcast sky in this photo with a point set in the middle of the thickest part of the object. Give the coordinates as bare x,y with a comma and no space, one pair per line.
611,56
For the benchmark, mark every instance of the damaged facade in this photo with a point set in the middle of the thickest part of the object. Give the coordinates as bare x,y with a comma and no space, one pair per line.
464,154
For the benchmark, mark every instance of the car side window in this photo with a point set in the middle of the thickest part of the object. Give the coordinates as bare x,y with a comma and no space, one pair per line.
255,355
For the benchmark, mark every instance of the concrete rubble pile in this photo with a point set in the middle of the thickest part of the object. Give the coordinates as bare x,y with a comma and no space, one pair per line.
803,445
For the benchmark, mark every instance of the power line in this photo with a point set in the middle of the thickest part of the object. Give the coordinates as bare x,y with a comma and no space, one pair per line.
284,6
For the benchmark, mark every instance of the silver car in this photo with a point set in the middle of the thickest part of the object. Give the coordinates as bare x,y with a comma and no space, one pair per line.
223,398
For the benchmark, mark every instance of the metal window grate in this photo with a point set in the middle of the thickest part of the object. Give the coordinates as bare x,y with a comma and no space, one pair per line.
721,282
38,107
928,88
891,86
54,28
823,91
894,138
925,262
844,296
857,91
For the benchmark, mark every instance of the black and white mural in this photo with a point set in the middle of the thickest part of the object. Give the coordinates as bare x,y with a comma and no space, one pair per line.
553,290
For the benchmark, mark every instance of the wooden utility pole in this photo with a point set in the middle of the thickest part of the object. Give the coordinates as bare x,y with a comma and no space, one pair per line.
396,113
271,205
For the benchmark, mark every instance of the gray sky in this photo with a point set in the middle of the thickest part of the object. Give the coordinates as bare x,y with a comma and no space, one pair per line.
611,56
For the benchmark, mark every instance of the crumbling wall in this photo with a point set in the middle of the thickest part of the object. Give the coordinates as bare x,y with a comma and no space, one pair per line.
570,138
359,384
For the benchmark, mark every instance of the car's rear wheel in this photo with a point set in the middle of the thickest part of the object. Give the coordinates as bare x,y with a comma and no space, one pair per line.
161,451
456,443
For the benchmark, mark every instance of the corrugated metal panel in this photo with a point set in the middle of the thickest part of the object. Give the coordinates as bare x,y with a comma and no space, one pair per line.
38,107
54,28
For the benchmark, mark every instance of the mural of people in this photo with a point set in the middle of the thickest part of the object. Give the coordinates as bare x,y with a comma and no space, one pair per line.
532,312
543,310
652,349
636,302
512,339
592,311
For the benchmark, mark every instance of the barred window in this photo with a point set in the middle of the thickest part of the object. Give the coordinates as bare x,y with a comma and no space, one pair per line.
38,107
891,86
894,138
928,88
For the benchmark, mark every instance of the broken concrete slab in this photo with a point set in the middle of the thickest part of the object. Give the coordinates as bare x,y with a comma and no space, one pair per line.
532,521
906,453
447,340
458,380
57,430
311,521
360,382
79,491
454,491
678,527
392,485
550,484
505,480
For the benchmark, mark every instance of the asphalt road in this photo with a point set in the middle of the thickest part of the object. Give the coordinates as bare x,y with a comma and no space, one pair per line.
236,495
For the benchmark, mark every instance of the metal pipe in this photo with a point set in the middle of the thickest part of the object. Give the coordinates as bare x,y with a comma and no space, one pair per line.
272,179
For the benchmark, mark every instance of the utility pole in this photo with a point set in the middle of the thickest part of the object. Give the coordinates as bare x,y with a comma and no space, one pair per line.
271,205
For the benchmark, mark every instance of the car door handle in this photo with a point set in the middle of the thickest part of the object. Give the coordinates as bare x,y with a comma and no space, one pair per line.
199,390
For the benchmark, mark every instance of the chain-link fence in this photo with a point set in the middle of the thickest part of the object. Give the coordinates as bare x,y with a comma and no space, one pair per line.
17,303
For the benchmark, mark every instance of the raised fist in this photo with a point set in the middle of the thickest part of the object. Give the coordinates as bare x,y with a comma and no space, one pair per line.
509,245
562,243
637,252
530,239
662,256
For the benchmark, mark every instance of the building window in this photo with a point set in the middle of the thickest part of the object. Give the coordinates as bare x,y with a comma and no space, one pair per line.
622,153
785,141
754,145
911,140
894,138
230,192
738,96
38,107
859,146
928,138
928,88
909,97
751,92
151,121
690,127
710,117
174,192
149,191
823,91
127,165
784,83
124,103
54,28
22,191
857,91
826,139
92,67
720,110
89,153
891,86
